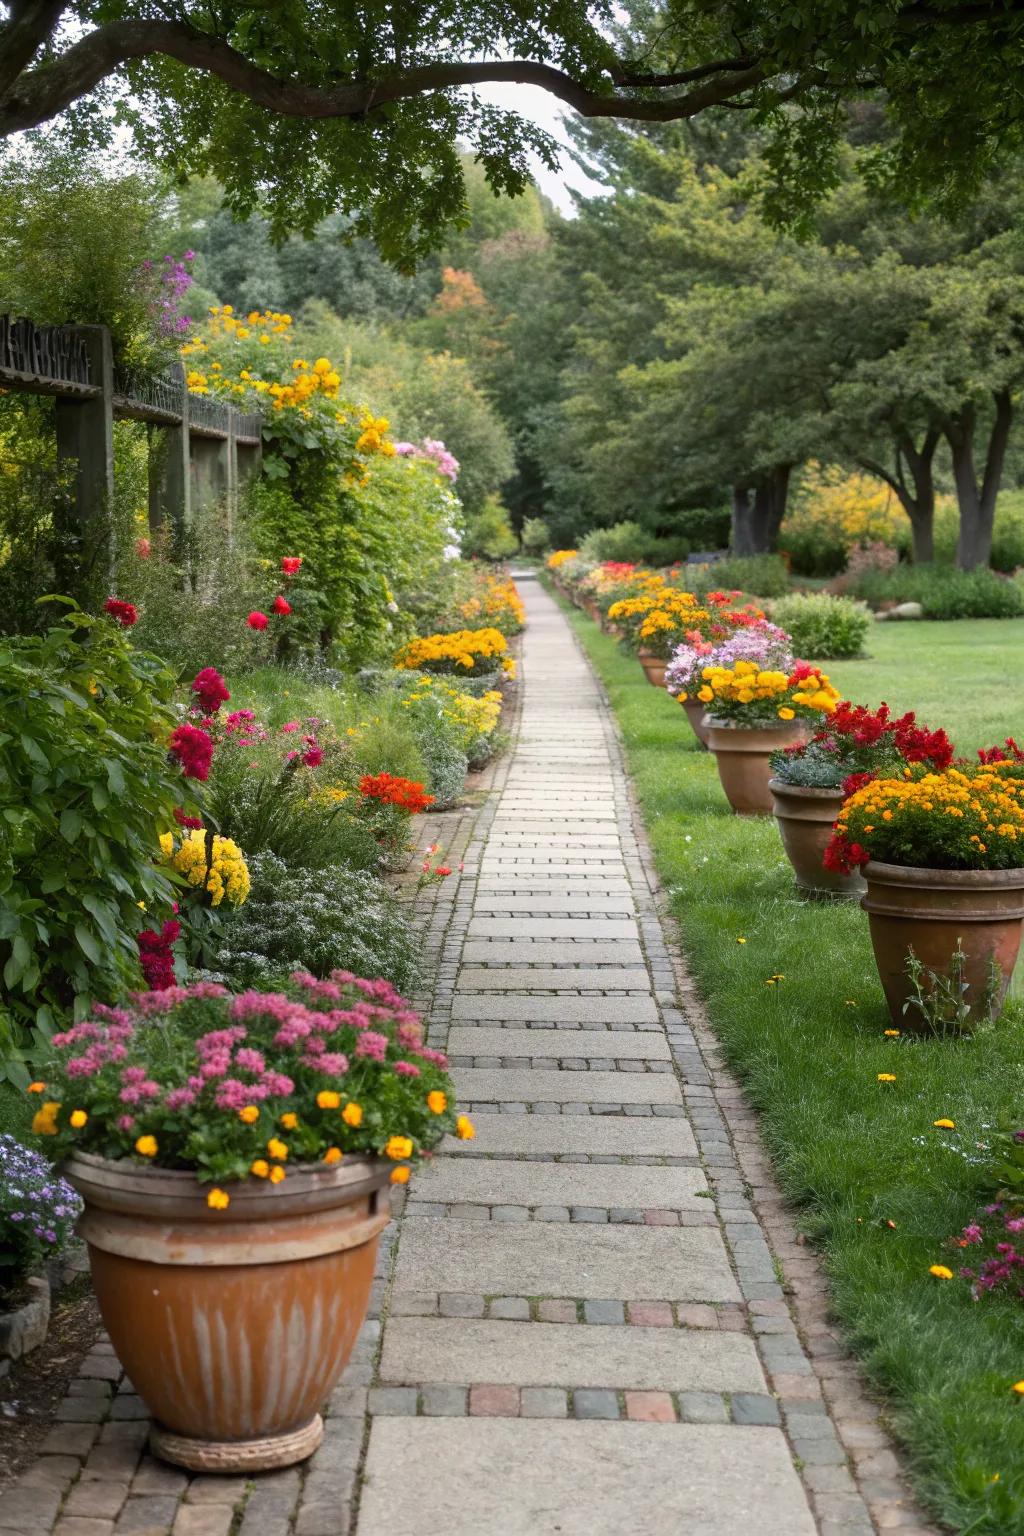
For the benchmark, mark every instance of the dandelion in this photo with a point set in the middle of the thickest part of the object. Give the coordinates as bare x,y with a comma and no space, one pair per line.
886,1077
891,1034
741,941
1018,1387
940,1272
944,1125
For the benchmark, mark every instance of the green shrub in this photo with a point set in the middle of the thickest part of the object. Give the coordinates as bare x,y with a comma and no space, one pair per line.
703,528
85,787
944,593
489,532
1008,535
823,627
629,542
535,537
316,920
760,575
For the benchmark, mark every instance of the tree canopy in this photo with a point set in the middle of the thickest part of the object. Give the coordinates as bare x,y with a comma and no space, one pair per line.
311,107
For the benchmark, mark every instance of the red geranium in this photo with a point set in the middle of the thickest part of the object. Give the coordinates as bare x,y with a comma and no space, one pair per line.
193,749
290,564
843,857
1009,752
126,614
183,819
406,794
208,686
281,605
155,956
257,620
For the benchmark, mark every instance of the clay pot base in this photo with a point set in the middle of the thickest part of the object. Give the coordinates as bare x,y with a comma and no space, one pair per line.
237,1456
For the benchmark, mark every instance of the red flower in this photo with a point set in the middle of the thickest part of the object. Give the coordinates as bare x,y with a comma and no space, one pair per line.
1009,752
314,757
281,605
208,686
406,794
143,548
843,857
183,819
193,749
856,781
155,956
126,614
290,564
257,620
442,869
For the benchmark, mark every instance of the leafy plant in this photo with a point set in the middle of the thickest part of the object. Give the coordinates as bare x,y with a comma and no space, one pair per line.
86,786
316,920
942,592
489,532
536,538
760,575
939,998
822,626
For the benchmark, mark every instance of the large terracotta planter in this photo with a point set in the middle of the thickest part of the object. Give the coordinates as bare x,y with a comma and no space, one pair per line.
805,818
233,1325
928,910
654,668
743,754
696,714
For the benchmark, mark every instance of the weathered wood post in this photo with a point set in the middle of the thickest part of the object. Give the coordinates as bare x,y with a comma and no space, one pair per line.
170,484
85,439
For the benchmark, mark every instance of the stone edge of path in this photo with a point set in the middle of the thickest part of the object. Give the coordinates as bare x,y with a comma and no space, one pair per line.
878,1479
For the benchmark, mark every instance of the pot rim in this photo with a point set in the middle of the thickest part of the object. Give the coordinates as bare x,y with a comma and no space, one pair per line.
968,879
810,791
118,1184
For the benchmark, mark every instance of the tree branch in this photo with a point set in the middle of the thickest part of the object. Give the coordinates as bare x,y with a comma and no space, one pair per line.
41,93
29,27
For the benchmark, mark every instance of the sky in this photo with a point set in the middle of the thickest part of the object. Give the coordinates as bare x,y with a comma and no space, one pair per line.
547,111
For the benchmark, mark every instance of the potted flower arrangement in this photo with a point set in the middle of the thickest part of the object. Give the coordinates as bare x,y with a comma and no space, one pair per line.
233,1154
684,672
810,781
943,858
758,700
653,624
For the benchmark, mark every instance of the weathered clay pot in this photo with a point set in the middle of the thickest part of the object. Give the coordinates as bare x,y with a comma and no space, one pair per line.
695,713
928,910
233,1325
654,668
743,754
805,818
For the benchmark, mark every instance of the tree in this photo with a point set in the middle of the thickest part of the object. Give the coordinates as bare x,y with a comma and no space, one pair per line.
366,115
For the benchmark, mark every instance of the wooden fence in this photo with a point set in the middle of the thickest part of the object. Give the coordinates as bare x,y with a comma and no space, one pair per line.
202,451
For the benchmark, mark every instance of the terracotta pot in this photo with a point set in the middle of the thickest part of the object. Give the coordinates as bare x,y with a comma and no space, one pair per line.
233,1325
805,818
928,910
743,754
654,668
695,713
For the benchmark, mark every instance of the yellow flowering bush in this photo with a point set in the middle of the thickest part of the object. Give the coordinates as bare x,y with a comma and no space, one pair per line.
211,863
558,557
495,602
969,817
471,652
747,693
835,510
464,716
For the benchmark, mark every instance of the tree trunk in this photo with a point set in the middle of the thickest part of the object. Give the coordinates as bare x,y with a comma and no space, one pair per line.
977,503
758,508
916,496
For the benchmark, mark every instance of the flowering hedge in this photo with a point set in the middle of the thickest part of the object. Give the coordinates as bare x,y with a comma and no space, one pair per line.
37,1211
250,1086
470,652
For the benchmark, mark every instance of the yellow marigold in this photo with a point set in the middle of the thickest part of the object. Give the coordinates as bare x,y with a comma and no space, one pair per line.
289,1120
277,1149
249,1114
332,1155
146,1146
352,1115
78,1118
261,1168
559,557
437,1102
36,1088
398,1147
400,1175
276,1174
218,1200
328,1099
465,1130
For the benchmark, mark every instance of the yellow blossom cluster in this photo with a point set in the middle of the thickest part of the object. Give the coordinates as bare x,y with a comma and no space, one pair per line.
496,601
225,874
806,692
468,717
559,557
465,649
963,818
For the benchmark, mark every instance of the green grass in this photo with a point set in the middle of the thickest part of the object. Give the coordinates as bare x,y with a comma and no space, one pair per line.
852,1154
964,675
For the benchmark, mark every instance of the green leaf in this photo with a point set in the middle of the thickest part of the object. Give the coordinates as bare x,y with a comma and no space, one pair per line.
87,942
70,826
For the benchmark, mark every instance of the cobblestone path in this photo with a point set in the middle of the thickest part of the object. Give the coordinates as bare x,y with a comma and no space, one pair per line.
584,1333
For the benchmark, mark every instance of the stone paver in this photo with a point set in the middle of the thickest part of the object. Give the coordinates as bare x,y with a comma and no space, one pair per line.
562,1135
478,1085
641,1045
531,1477
494,1182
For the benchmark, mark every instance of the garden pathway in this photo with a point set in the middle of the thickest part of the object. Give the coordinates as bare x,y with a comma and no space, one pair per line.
584,1332
577,1330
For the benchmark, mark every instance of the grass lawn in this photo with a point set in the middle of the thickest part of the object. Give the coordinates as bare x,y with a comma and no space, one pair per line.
852,1154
